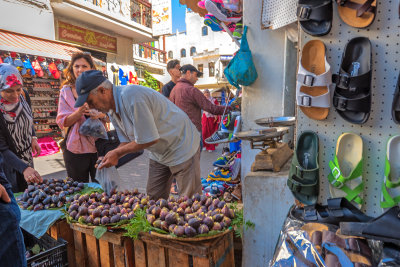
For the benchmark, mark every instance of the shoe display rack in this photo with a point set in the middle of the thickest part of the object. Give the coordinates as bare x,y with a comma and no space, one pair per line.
44,94
375,132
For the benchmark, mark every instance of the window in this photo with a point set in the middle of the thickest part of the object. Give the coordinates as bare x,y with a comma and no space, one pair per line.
170,54
192,50
200,67
204,31
211,69
183,52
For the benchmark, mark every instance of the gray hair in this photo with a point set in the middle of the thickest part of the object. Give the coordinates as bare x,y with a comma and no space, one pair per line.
106,84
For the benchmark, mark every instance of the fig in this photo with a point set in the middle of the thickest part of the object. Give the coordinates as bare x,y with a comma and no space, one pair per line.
196,205
73,213
144,201
227,212
216,227
203,229
215,202
126,205
203,209
25,196
180,211
152,202
73,207
170,205
81,185
216,211
157,223
38,207
163,203
124,217
131,215
163,213
171,228
188,216
31,188
226,221
179,230
112,211
60,204
208,202
221,204
211,207
105,220
97,213
183,205
82,210
150,218
76,217
104,200
96,221
197,197
156,211
208,221
218,217
190,202
124,211
194,222
175,208
89,219
164,226
136,207
222,225
35,200
42,194
189,231
30,201
115,218
201,215
171,218
181,221
92,195
171,199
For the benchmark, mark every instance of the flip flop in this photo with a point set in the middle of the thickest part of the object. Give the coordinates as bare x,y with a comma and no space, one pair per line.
304,170
313,81
346,169
357,13
315,16
396,103
352,96
391,183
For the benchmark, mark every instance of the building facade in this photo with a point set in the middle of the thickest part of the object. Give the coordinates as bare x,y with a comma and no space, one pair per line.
208,51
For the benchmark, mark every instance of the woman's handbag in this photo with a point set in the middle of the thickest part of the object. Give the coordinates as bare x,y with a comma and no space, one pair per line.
103,146
241,69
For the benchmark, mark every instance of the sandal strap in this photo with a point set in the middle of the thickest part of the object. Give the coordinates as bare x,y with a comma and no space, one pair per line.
318,13
296,184
309,79
361,8
388,201
344,80
351,244
388,180
361,104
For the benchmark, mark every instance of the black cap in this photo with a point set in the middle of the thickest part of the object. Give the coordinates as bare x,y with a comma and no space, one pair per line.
189,67
85,83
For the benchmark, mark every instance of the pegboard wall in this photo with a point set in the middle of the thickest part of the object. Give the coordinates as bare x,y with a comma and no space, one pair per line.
384,34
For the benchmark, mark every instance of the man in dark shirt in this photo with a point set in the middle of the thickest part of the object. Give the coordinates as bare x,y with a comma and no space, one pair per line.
173,68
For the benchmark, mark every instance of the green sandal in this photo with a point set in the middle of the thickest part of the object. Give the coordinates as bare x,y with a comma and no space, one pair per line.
304,170
390,196
346,170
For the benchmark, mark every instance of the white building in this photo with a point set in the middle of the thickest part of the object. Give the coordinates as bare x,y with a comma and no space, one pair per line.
208,51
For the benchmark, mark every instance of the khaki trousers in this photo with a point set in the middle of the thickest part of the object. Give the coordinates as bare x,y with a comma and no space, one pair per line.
187,175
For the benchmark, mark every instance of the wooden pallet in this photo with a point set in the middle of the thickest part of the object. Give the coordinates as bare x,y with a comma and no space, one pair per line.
155,251
61,229
112,249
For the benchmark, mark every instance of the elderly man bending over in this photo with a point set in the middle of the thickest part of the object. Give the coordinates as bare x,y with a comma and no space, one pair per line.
145,119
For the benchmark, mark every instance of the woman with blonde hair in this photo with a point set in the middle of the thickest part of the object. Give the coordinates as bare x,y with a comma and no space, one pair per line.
79,152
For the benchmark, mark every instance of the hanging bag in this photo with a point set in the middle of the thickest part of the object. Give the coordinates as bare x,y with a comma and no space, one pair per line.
241,69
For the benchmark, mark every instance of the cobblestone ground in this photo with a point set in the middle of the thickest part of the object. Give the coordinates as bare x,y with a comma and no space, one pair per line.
135,171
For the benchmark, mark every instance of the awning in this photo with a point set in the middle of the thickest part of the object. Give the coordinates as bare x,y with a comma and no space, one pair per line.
161,78
14,42
192,4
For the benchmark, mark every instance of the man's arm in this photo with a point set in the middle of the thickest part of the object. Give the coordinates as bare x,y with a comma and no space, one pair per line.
112,157
206,104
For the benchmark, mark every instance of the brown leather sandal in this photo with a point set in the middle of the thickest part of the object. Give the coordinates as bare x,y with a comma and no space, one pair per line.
357,13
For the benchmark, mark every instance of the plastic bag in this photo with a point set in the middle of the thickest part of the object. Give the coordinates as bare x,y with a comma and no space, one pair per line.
93,128
111,182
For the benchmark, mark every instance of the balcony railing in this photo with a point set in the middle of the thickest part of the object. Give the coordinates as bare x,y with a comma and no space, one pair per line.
138,11
148,52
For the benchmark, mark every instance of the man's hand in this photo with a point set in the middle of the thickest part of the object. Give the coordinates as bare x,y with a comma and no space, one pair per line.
3,195
32,176
110,159
36,150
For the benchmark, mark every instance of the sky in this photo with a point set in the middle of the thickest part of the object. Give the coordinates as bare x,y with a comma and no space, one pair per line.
178,16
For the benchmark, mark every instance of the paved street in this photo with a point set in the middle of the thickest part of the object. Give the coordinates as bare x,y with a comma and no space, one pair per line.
135,171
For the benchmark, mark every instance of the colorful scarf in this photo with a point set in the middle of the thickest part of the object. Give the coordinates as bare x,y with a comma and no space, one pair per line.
9,77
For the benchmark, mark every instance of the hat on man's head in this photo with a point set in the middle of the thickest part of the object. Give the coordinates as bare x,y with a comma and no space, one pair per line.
189,67
85,83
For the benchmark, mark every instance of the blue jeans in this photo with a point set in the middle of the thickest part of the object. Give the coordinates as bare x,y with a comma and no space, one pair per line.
12,247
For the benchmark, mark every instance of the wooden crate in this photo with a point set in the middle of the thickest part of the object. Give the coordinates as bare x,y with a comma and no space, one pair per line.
156,251
112,249
61,229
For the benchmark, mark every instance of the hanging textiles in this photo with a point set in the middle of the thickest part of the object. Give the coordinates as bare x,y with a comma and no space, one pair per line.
278,13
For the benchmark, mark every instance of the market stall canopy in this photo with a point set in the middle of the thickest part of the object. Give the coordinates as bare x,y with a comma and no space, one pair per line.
161,78
19,43
192,4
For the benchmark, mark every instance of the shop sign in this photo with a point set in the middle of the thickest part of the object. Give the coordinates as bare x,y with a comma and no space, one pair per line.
226,58
162,17
86,38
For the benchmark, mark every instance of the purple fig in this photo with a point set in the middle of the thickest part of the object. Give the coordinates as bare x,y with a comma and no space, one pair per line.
180,211
226,221
217,226
89,219
188,216
208,202
73,207
197,197
151,218
131,200
73,213
227,212
126,205
171,218
163,203
111,212
171,228
179,230
171,205
201,215
216,211
196,206
203,229
190,202
131,215
163,213
151,202
215,202
194,222
136,207
203,199
105,220
124,217
164,225
115,218
157,223
221,204
218,217
222,225
156,211
171,199
97,213
82,210
144,201
211,207
181,221
96,221
183,205
208,221
189,231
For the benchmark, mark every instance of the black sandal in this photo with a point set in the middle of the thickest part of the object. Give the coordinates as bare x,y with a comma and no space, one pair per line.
315,16
352,96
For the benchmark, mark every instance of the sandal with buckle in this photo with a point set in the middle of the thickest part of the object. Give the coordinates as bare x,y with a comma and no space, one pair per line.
345,177
313,81
357,13
352,96
315,16
390,196
303,178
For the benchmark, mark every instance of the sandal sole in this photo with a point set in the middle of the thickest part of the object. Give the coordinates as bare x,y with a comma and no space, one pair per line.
349,16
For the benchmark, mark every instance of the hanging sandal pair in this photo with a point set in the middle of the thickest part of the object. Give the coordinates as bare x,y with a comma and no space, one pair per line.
315,16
